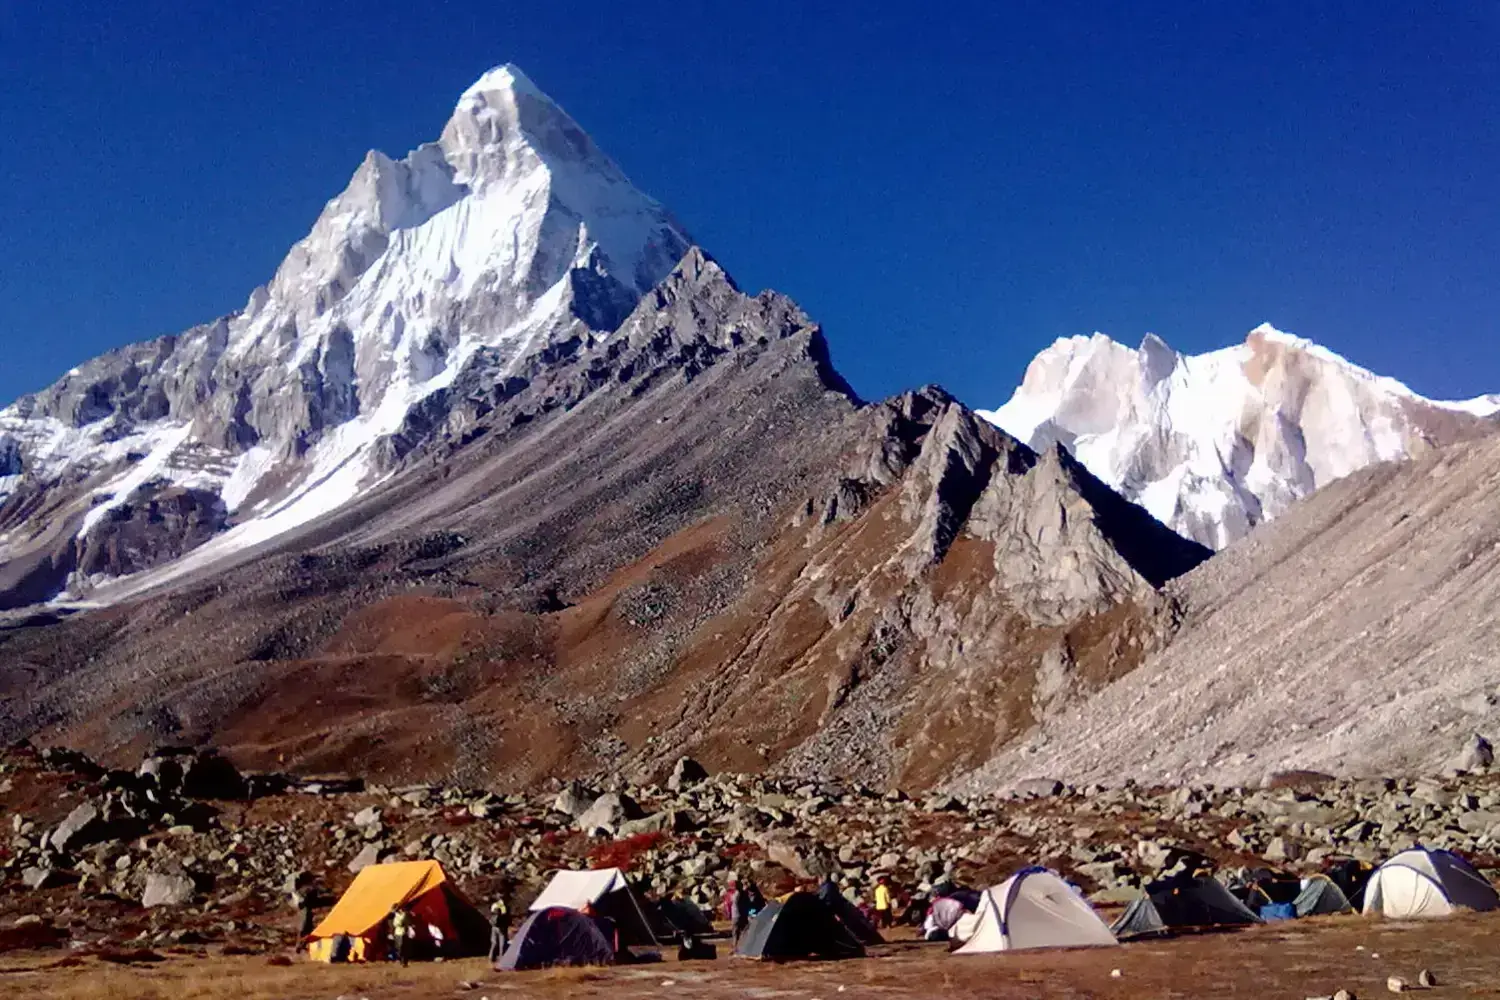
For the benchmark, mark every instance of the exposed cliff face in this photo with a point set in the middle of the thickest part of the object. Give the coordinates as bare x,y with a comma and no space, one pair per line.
1215,444
684,535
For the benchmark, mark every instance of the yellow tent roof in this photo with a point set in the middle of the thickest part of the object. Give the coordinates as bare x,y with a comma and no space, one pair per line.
374,892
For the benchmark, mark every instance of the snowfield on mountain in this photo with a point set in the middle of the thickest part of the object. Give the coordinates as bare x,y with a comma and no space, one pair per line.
510,236
1214,444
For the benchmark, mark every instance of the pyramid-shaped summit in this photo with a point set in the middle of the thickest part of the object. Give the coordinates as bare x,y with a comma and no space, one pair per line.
465,260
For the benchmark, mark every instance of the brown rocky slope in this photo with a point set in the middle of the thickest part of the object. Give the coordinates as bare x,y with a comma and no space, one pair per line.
686,537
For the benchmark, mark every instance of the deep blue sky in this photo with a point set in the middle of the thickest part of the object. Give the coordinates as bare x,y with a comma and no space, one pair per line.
946,188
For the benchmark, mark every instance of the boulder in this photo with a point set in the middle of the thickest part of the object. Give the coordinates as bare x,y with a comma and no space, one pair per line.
370,854
83,826
167,890
210,776
574,800
368,816
42,878
1038,788
608,812
1476,755
686,773
943,803
670,821
802,860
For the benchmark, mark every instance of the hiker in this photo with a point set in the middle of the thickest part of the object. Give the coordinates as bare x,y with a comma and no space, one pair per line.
401,935
883,903
304,902
499,928
739,915
757,901
828,891
728,904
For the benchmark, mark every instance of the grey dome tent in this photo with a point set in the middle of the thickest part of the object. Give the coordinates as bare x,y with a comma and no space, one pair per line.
557,936
1427,883
1321,897
1181,904
803,926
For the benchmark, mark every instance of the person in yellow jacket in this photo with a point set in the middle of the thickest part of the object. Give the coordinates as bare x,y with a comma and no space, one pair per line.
884,904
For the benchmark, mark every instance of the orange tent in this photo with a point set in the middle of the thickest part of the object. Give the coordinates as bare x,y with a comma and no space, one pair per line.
443,921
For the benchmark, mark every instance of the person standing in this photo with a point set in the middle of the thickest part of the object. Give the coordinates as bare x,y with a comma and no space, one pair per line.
757,901
401,934
884,905
729,891
304,902
740,907
499,928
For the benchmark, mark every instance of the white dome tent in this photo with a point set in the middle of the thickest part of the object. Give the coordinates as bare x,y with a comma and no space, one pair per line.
1427,883
1034,908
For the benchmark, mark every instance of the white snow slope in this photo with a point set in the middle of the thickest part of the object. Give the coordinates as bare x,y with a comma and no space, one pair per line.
1213,444
469,243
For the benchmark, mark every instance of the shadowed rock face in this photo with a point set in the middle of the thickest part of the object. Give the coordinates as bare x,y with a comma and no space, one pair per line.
685,535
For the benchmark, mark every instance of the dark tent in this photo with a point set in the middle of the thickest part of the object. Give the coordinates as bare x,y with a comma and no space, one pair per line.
557,936
1351,877
674,917
1322,898
802,927
849,915
1182,904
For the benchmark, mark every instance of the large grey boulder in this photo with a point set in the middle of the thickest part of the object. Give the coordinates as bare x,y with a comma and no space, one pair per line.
574,800
669,821
608,813
84,825
1037,788
167,890
1476,755
42,878
370,854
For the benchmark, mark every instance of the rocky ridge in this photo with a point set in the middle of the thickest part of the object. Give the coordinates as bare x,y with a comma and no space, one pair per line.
773,577
1354,635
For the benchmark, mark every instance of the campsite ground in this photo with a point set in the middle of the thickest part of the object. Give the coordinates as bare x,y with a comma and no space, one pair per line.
1296,960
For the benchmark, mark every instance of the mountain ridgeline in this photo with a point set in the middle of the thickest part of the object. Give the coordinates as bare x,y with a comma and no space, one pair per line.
502,478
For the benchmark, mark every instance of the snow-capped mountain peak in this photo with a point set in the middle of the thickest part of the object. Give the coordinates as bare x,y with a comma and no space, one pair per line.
1213,444
508,235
